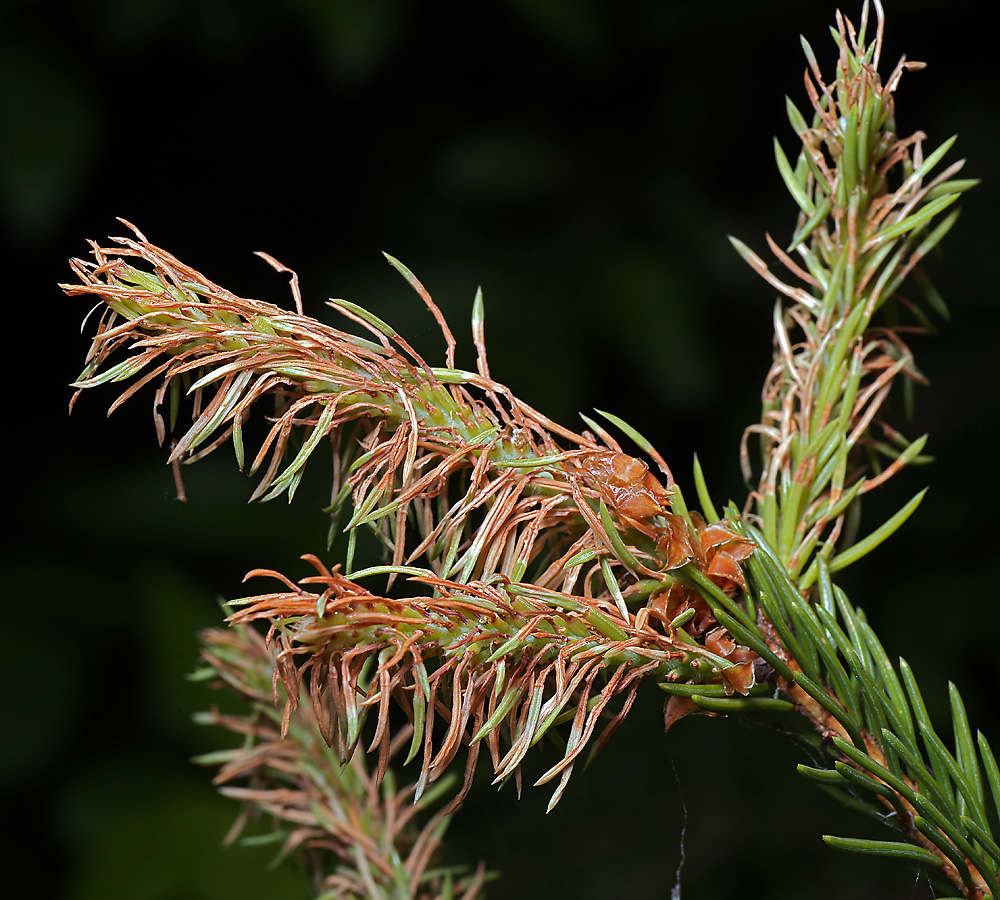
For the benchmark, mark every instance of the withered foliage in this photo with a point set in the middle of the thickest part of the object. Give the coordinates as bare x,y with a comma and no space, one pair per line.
356,837
539,564
534,576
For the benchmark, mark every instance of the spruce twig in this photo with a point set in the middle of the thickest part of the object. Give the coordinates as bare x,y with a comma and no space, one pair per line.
467,492
533,575
357,840
872,206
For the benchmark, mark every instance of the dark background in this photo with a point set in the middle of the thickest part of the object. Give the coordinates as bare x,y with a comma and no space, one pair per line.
583,162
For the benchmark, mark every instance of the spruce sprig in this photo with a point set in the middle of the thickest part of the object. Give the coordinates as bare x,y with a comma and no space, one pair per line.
534,576
358,837
531,569
871,207
876,732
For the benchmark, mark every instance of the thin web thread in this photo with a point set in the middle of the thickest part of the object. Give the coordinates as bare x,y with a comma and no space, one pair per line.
675,892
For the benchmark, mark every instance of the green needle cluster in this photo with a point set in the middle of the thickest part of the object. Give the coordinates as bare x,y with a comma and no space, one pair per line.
871,208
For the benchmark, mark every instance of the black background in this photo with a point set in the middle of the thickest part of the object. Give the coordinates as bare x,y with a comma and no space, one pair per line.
583,162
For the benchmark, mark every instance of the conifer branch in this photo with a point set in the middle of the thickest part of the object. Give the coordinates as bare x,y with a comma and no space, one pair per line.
870,210
533,575
531,568
357,839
